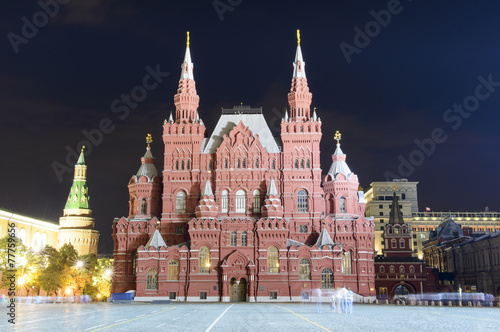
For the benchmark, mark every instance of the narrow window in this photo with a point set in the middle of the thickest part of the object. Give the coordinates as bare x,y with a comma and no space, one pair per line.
152,279
233,239
204,262
342,204
308,163
256,163
401,243
173,269
273,264
240,201
304,269
302,201
238,163
224,201
143,206
176,165
180,202
256,201
187,165
296,163
382,269
244,239
301,163
182,165
326,278
273,164
225,163
244,163
346,262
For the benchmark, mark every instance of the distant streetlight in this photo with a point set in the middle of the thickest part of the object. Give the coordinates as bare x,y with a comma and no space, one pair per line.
108,272
79,264
21,282
68,291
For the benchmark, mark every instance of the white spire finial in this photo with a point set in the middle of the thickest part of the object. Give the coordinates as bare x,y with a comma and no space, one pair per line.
187,65
272,188
208,189
170,118
299,64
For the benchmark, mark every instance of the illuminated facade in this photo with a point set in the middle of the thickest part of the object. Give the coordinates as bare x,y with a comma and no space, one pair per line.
241,215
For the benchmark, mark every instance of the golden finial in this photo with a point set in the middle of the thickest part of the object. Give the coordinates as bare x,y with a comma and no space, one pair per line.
187,43
337,137
394,187
149,139
83,148
298,37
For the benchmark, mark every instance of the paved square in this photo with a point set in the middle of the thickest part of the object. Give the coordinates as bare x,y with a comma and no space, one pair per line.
245,317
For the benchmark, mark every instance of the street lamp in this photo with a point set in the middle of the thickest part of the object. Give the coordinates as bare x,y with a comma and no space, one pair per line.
79,264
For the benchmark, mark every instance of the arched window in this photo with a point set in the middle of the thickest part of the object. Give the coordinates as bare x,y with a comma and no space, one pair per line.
240,201
224,201
382,269
393,244
176,165
256,163
44,240
302,201
301,163
37,241
225,163
401,269
244,163
301,129
256,201
233,239
180,202
22,235
392,269
342,204
326,278
204,262
346,262
273,264
143,206
210,165
238,163
152,279
182,131
244,239
304,269
173,270
273,164
182,165
187,165
308,163
401,243
296,163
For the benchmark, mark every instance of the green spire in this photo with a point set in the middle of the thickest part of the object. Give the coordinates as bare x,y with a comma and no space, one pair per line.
79,194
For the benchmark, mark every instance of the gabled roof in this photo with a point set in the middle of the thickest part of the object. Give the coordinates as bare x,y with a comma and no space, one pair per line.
156,240
290,242
251,118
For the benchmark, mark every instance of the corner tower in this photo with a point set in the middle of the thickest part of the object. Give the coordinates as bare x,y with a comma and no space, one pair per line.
301,136
183,139
76,226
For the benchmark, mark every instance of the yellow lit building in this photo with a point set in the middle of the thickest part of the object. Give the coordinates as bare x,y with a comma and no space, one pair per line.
34,233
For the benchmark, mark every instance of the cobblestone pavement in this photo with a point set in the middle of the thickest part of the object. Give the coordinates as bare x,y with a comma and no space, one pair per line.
245,317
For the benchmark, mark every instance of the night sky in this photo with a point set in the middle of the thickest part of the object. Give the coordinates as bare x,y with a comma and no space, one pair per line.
395,82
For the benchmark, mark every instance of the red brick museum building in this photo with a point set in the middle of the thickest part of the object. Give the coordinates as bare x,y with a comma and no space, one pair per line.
243,214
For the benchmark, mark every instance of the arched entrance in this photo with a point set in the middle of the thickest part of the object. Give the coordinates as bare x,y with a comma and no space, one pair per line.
238,290
402,291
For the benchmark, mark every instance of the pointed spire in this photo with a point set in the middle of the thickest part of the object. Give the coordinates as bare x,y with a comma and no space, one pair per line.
395,215
299,64
187,65
197,117
170,118
286,115
339,166
271,190
324,239
81,159
156,241
315,117
207,191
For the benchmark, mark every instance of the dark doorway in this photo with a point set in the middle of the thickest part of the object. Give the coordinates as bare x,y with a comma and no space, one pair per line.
237,290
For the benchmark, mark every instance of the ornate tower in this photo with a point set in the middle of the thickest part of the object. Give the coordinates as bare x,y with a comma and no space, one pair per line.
301,135
183,159
397,234
342,197
145,187
76,224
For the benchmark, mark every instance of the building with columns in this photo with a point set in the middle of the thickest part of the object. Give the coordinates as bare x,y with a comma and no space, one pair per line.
241,214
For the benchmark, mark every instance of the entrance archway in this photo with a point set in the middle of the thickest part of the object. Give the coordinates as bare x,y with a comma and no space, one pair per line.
237,290
402,290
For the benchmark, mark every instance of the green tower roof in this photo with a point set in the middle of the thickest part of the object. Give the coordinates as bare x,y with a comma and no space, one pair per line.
79,194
